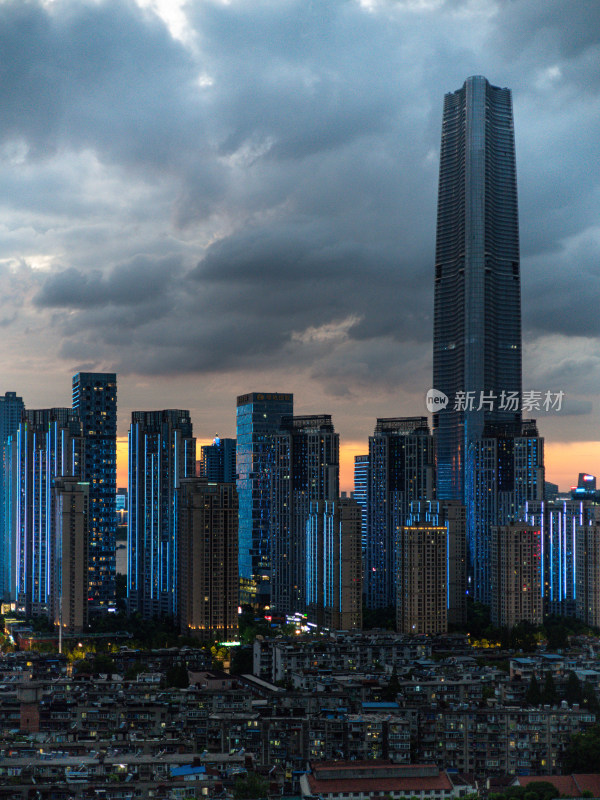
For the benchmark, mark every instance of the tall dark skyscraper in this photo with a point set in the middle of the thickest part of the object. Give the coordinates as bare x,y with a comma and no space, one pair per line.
217,464
305,468
95,400
162,452
477,315
400,472
259,415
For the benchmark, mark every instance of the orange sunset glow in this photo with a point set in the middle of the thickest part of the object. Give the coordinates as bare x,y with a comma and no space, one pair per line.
564,461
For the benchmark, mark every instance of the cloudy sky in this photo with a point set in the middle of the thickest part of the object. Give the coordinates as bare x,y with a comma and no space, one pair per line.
218,197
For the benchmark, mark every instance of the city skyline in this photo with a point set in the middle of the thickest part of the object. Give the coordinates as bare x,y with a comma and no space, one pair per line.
157,226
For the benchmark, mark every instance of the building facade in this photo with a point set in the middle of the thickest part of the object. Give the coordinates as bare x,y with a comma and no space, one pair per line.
304,469
48,445
588,573
334,564
69,596
401,465
208,582
422,566
217,463
515,575
361,492
11,408
506,471
258,416
558,522
477,309
95,401
162,452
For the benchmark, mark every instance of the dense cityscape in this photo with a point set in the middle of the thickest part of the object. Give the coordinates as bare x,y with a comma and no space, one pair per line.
235,626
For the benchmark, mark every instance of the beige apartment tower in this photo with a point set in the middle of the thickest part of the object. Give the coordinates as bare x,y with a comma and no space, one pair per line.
422,583
334,564
69,592
515,575
208,559
587,574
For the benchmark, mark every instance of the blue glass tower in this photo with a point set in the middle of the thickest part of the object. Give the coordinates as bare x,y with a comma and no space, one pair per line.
162,452
259,415
95,400
477,314
218,461
11,407
47,445
361,492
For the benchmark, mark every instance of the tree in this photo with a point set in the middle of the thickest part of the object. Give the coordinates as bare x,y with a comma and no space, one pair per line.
533,696
252,787
390,692
573,691
177,677
549,695
590,698
583,752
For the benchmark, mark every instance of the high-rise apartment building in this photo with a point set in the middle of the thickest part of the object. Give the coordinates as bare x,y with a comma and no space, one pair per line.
48,445
588,573
421,600
361,492
334,564
506,471
558,522
452,515
11,407
259,415
217,463
401,467
477,314
304,468
95,400
69,594
208,582
162,452
515,575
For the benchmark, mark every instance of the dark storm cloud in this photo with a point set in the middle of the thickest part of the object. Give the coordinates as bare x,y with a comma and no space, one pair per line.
279,177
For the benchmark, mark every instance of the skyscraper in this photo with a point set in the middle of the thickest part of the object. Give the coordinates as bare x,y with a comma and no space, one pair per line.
334,564
506,470
304,468
48,445
515,575
400,470
218,461
162,452
208,582
477,314
11,407
95,400
259,415
361,492
421,600
69,601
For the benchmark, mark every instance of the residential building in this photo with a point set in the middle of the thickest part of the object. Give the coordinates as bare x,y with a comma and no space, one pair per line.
48,445
334,564
259,415
506,471
304,469
208,583
11,407
69,602
162,452
422,594
95,400
588,573
515,575
401,469
361,492
218,461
